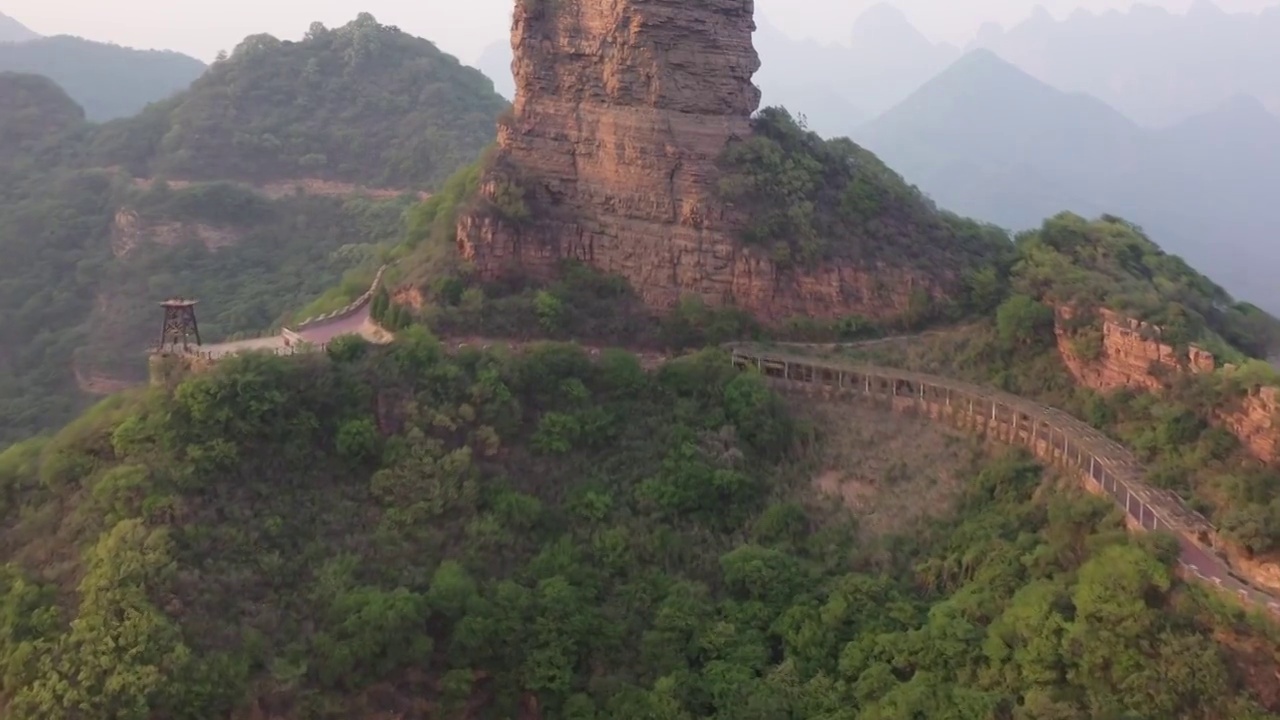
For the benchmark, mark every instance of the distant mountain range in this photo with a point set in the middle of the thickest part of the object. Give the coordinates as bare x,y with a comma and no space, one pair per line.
986,139
108,81
1155,66
839,86
13,31
495,63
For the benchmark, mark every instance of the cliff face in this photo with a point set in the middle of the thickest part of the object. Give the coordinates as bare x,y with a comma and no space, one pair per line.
622,110
1254,421
1131,354
1131,357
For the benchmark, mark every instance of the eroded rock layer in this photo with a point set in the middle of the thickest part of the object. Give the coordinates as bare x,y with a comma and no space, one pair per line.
1131,354
1132,357
622,109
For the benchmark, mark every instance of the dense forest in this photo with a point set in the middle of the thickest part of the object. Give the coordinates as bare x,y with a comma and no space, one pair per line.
397,530
89,251
107,80
362,103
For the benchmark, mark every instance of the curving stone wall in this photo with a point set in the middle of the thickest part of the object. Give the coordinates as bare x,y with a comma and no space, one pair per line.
343,313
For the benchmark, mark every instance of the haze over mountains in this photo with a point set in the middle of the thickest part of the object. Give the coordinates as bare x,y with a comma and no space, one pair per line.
1165,119
1155,66
986,139
109,81
13,31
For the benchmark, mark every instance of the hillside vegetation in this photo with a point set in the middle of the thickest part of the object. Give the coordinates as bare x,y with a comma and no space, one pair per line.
88,253
809,199
395,531
38,121
1109,263
107,80
362,103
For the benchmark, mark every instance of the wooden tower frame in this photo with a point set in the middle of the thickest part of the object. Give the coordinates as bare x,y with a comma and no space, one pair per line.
179,324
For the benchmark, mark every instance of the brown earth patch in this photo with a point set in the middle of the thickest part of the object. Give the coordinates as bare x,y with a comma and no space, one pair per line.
277,189
890,471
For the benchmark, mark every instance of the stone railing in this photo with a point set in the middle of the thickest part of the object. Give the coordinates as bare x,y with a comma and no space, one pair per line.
1104,465
215,354
342,313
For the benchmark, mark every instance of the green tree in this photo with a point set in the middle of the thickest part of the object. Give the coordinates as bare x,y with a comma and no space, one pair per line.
1023,321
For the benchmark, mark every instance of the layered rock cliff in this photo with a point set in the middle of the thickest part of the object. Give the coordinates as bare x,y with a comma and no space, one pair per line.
1255,420
610,157
1131,356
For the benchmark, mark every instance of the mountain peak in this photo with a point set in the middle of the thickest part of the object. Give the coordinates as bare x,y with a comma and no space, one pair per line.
13,31
334,114
1040,15
883,24
1205,8
983,61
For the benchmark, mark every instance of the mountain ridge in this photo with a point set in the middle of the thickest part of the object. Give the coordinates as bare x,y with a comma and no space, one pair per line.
108,81
12,31
1055,150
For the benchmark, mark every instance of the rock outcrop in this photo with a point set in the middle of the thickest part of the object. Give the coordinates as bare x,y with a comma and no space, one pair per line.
129,231
1132,357
1131,354
1253,419
622,110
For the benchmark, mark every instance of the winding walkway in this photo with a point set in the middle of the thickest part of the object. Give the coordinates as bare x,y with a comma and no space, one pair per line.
315,337
310,335
1053,435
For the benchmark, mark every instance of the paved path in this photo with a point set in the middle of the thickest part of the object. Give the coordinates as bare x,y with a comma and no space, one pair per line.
1116,470
318,335
355,324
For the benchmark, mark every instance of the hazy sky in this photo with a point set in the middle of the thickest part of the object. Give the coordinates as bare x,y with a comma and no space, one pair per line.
465,27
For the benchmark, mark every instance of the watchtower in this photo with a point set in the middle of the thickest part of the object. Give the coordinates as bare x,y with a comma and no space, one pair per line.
179,324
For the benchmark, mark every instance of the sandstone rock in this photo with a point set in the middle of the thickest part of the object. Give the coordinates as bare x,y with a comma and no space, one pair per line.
1132,355
622,110
1253,421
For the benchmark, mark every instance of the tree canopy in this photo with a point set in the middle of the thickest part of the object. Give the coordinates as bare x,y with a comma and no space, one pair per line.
362,103
399,530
